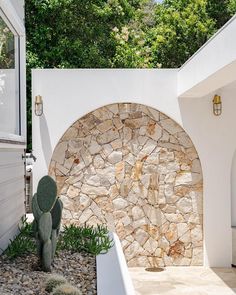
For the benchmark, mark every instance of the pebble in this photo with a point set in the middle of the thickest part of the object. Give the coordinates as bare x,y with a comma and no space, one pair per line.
22,276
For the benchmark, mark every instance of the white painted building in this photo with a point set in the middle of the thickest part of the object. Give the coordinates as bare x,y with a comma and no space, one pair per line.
185,95
12,118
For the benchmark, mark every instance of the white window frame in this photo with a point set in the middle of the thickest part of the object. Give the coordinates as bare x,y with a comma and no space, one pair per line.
12,140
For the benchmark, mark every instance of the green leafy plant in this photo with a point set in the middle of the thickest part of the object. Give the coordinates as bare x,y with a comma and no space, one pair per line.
89,239
23,242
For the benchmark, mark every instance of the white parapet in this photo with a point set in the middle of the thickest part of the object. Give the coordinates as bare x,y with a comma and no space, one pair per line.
112,272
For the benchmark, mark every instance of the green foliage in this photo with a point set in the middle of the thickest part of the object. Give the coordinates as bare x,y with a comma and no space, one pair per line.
46,193
53,281
66,289
89,239
47,210
23,242
117,33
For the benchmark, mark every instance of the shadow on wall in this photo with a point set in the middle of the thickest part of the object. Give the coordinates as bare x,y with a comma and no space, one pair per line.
45,139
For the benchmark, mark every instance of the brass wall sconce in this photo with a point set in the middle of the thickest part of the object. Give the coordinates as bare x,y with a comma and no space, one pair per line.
38,105
217,105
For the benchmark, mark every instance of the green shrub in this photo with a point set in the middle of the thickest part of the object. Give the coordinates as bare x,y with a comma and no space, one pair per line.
89,239
54,281
66,289
23,242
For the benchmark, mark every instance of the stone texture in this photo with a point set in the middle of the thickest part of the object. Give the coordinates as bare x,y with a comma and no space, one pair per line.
136,170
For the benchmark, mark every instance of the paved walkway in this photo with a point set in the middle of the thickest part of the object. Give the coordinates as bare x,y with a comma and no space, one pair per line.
185,281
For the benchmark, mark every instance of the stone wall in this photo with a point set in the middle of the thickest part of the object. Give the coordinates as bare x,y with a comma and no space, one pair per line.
136,170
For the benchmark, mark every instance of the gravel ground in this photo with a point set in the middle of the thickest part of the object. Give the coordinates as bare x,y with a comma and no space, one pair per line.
21,276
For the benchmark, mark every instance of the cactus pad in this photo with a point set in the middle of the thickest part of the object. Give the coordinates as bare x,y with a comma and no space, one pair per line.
54,242
56,214
47,256
45,226
35,208
46,193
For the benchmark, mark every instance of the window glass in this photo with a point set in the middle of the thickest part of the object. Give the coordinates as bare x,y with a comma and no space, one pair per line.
9,79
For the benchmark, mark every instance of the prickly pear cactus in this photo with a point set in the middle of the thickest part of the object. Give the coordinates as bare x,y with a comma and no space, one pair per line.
47,211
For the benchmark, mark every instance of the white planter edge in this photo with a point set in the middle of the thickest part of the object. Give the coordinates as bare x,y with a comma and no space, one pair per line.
112,272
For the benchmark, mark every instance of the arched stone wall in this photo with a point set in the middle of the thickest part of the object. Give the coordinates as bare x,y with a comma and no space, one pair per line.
136,170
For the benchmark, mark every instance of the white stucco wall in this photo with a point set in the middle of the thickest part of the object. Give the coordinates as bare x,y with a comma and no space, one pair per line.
215,142
233,191
212,66
70,94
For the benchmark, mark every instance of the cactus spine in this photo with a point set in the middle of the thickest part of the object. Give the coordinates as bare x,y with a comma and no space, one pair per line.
47,210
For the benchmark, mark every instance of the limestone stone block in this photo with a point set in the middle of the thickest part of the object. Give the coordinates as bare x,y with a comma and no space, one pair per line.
86,156
108,173
120,203
113,108
151,245
171,234
133,250
94,148
184,140
69,163
139,223
196,234
119,171
154,114
84,202
137,213
170,126
141,236
94,190
67,203
72,192
116,144
61,169
66,214
186,238
93,180
170,177
174,218
184,205
102,114
154,130
182,228
127,134
86,214
115,157
108,136
196,166
105,126
77,169
183,178
197,258
147,149
59,152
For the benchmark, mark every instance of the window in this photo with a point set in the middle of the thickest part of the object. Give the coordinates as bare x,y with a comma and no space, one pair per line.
9,80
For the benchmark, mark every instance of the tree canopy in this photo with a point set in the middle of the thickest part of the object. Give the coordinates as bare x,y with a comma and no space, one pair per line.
118,33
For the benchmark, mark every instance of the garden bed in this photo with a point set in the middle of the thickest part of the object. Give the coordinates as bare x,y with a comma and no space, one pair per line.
21,275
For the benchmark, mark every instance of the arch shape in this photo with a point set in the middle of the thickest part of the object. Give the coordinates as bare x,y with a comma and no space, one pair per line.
136,170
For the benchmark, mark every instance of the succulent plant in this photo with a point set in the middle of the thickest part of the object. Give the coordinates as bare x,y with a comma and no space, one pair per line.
47,210
66,289
54,281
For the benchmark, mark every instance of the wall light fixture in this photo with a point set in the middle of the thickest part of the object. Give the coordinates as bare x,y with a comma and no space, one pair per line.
38,106
217,105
